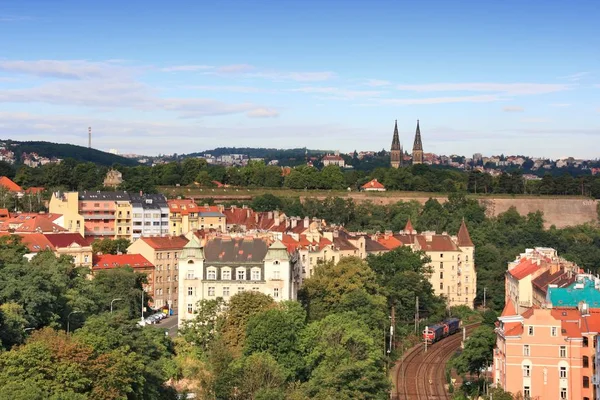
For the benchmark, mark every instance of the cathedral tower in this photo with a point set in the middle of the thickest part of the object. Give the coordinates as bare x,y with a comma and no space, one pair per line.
396,151
417,153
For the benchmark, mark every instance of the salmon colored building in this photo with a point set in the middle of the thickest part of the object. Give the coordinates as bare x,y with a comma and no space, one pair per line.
547,353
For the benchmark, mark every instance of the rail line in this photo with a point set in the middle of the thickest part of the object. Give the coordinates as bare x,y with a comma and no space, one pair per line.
421,376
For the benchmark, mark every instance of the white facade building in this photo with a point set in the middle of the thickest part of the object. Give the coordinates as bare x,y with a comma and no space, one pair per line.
225,266
150,215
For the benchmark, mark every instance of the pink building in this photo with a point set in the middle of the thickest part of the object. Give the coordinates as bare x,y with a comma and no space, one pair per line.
98,211
547,353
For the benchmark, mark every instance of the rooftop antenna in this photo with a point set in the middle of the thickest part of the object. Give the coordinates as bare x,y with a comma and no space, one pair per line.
89,137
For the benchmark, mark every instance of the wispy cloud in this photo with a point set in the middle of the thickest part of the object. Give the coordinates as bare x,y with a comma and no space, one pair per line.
228,88
560,105
377,82
69,69
441,100
574,77
186,68
513,109
235,69
15,18
535,120
263,113
295,76
505,88
340,93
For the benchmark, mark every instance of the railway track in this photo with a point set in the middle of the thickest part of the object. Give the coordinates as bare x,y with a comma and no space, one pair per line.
421,376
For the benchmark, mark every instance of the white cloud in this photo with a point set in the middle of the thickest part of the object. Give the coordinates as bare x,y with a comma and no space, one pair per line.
234,89
442,100
235,69
186,68
513,109
377,82
69,69
334,92
14,18
574,77
505,88
295,76
263,113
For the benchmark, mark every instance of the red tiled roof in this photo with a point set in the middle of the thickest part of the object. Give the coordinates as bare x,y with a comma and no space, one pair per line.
166,243
523,269
61,240
390,242
437,243
408,227
29,224
107,261
373,184
513,329
35,242
570,329
9,184
4,214
182,206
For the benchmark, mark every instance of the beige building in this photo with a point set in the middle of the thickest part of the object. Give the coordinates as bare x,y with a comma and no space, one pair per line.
67,204
123,224
163,253
113,179
186,216
224,266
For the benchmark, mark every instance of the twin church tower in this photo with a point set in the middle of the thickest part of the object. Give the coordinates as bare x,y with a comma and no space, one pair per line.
397,157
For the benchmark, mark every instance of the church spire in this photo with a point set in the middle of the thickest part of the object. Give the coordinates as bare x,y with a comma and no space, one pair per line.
417,154
463,237
396,150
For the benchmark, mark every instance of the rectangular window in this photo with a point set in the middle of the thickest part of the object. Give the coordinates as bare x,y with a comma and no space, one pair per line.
526,392
553,331
189,307
526,371
190,291
586,382
526,350
211,290
563,372
441,285
211,275
190,274
441,274
562,352
441,265
276,293
563,393
276,275
226,275
241,275
255,289
226,291
240,289
256,275
530,330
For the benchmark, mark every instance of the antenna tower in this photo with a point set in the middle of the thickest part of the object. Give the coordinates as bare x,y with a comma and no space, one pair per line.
89,137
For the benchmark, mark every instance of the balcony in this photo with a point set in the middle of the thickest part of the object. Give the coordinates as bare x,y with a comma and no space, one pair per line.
100,233
99,216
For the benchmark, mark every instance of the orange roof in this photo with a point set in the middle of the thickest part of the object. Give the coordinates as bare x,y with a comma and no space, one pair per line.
523,269
570,329
35,242
34,190
30,223
9,184
389,242
373,184
513,329
166,243
4,214
408,227
464,239
107,261
509,309
182,206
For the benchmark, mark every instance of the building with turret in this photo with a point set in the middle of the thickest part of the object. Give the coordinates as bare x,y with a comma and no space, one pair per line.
396,150
417,153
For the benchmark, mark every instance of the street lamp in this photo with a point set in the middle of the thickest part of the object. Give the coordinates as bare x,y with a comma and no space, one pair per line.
111,304
69,319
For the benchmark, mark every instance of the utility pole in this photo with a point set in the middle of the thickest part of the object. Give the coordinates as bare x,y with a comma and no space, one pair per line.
484,293
426,328
392,326
417,315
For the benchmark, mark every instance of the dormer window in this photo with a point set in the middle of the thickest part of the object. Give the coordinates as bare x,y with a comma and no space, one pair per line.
241,274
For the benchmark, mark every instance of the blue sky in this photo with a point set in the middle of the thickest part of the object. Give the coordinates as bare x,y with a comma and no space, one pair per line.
149,77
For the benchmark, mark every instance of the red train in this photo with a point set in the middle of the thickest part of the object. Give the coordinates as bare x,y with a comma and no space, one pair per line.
439,331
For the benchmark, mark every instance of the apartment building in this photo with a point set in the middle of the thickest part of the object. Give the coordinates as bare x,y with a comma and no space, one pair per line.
150,215
163,253
186,216
226,265
99,212
548,353
68,244
123,220
67,205
453,273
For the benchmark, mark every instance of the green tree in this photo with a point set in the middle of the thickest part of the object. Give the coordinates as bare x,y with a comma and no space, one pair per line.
202,329
477,354
110,246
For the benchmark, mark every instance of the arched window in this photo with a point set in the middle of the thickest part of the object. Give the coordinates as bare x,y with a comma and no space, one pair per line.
191,262
586,382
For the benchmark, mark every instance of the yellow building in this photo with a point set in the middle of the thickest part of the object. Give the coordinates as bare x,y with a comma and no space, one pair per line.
67,204
123,220
186,216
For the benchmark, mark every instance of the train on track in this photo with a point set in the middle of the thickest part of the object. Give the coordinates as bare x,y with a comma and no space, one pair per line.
437,332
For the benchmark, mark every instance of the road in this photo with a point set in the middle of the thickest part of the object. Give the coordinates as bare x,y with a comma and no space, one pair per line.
169,324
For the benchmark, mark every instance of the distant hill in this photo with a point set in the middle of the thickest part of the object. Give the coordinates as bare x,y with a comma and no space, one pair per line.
268,153
63,150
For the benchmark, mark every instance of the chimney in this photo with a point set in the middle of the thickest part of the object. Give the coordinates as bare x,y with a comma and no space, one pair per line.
294,222
270,215
306,222
276,217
